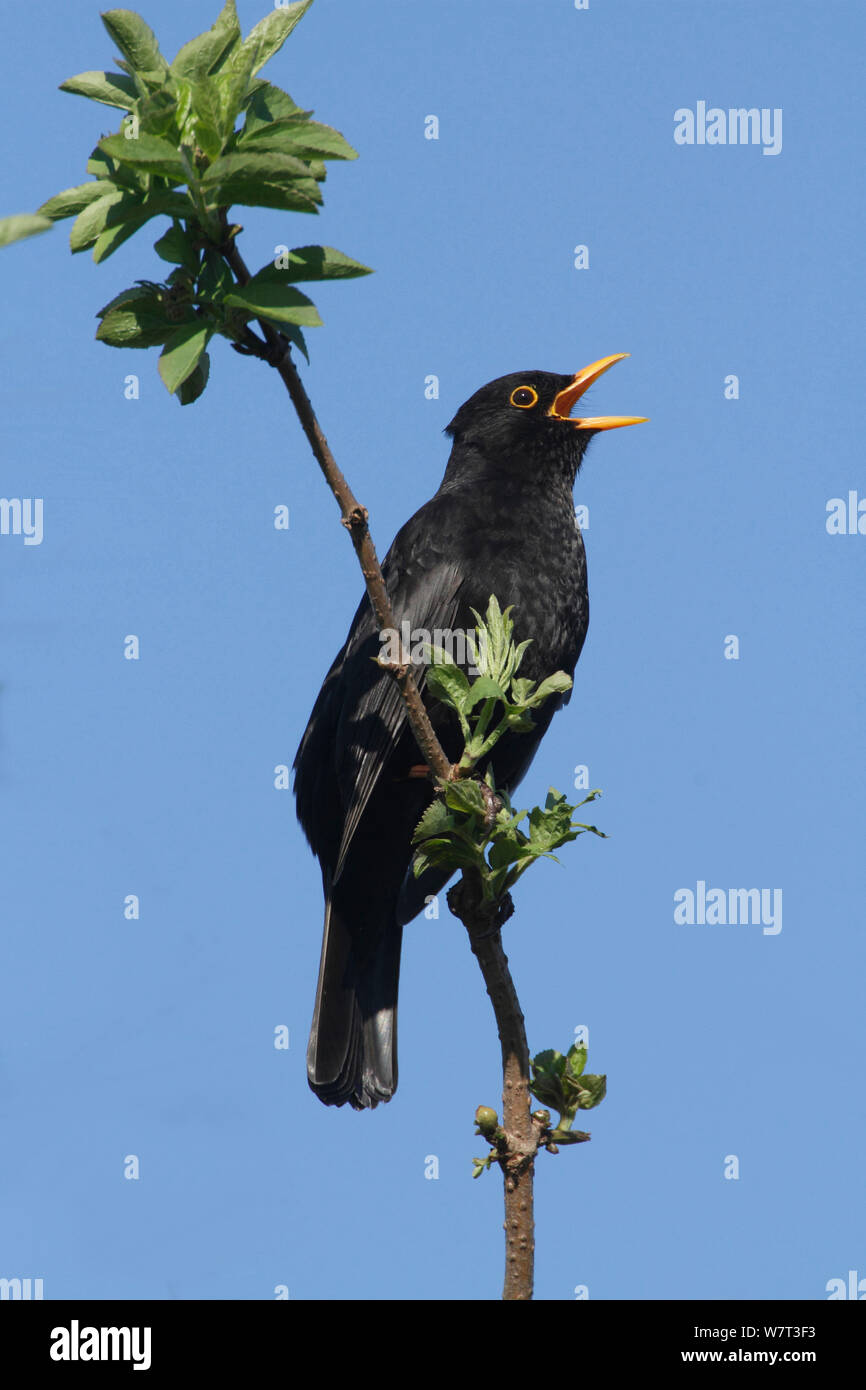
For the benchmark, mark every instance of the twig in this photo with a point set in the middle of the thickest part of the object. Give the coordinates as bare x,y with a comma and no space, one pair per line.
354,516
483,921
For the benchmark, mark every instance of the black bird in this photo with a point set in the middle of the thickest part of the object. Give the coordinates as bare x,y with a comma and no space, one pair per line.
501,523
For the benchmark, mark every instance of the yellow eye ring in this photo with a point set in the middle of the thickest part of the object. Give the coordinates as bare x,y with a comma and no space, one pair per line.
524,397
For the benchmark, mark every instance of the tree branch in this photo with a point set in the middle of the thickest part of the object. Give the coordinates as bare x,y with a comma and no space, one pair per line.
483,921
354,517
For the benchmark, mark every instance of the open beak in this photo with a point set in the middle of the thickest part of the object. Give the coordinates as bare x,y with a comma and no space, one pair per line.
564,402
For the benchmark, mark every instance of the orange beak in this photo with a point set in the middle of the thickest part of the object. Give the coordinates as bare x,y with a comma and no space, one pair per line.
564,402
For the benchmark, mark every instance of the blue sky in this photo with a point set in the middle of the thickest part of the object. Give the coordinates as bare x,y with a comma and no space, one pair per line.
155,777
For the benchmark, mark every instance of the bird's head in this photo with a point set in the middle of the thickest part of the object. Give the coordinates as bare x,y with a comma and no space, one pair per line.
526,418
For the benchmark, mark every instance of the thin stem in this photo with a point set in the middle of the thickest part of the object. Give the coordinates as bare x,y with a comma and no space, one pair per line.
355,519
483,921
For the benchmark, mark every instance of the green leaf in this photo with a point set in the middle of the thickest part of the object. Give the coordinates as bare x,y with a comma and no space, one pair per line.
317,168
507,818
111,88
569,1136
435,820
135,318
136,41
467,796
172,204
156,113
109,170
420,864
265,106
22,224
181,354
146,81
549,1063
556,684
127,328
280,303
448,684
575,1060
592,1091
108,241
448,853
519,651
141,88
546,1084
300,136
206,53
72,201
275,168
509,848
269,35
233,85
308,263
191,389
294,335
484,688
550,830
176,247
215,280
493,621
206,121
141,290
262,180
315,263
287,197
148,152
494,653
521,689
109,210
118,210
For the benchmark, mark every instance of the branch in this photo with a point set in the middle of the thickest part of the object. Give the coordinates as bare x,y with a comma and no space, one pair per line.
276,350
518,1143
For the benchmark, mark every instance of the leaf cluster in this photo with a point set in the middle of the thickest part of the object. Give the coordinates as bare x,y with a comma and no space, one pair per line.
472,823
557,1081
562,1083
496,657
200,134
457,831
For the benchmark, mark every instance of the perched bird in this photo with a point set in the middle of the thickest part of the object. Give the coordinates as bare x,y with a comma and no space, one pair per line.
502,522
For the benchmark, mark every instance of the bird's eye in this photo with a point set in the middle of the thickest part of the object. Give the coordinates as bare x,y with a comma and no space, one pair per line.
525,397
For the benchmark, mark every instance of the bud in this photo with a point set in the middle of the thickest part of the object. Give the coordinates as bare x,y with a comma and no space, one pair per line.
486,1120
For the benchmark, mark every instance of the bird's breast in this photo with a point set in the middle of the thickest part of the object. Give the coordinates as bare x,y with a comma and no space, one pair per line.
531,557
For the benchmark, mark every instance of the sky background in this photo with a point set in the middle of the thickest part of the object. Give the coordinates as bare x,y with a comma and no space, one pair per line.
155,777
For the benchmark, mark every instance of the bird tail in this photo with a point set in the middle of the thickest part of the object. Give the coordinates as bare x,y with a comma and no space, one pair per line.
352,1052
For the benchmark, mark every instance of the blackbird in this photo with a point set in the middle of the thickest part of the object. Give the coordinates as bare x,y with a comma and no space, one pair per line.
503,523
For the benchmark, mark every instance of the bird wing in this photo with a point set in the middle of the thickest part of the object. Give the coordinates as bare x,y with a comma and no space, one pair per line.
373,714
